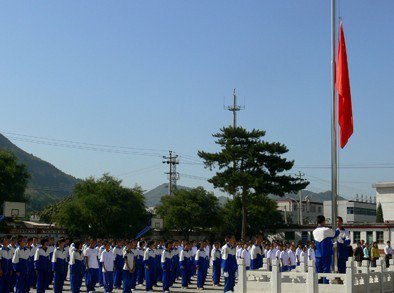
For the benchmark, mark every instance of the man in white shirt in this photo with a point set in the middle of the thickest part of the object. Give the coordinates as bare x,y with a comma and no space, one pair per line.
298,252
107,260
284,259
388,253
92,268
292,257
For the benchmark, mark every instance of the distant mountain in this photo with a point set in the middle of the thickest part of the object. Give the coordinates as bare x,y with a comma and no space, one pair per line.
152,197
47,183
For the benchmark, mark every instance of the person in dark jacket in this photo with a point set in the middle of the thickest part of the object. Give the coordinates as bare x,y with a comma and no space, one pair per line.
359,254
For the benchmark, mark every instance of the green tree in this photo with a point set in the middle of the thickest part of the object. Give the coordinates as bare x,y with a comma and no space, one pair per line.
13,178
103,208
250,166
186,210
379,214
262,214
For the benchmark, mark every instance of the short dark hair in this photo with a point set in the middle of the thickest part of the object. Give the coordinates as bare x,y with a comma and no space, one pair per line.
320,219
340,218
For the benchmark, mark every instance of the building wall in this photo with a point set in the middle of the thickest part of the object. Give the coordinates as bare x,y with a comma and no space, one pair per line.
310,210
357,207
385,196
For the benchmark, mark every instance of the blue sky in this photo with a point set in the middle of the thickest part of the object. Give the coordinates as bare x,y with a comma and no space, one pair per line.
152,75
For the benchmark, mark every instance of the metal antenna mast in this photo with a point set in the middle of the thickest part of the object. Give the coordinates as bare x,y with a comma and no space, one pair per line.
234,108
172,175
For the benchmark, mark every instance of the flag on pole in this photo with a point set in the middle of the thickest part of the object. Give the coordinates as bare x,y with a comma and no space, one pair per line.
342,84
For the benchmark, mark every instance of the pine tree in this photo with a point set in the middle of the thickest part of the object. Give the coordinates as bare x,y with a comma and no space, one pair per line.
379,214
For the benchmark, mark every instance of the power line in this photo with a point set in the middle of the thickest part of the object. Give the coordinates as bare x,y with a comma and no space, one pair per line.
173,175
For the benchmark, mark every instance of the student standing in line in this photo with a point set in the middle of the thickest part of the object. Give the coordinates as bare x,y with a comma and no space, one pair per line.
20,265
140,271
343,243
59,262
12,248
298,252
284,259
229,264
292,257
175,264
5,266
128,268
216,263
42,266
201,260
311,252
76,268
184,264
149,263
166,266
107,260
91,265
134,251
256,255
366,253
119,263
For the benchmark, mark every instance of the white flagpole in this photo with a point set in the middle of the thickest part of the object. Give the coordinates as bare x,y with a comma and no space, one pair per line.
334,144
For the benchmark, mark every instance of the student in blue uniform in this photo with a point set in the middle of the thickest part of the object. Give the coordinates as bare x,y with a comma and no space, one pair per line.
184,265
51,249
42,265
166,266
201,261
59,262
76,267
158,252
100,248
12,248
119,263
149,264
30,264
216,263
323,240
32,254
107,260
256,258
20,265
91,265
140,271
343,242
229,264
175,265
67,252
5,265
135,252
129,268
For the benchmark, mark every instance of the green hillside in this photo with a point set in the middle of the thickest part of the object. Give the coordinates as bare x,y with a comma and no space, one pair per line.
47,183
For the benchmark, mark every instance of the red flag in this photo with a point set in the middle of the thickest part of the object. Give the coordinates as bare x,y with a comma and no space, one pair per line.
345,115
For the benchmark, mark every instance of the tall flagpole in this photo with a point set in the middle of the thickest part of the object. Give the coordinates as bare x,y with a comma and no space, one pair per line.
334,144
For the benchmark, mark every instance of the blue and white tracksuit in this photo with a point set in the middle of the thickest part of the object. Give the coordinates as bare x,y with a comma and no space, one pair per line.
256,258
343,241
129,274
202,263
184,264
119,263
229,266
20,265
149,264
323,240
6,266
59,264
76,270
42,264
216,265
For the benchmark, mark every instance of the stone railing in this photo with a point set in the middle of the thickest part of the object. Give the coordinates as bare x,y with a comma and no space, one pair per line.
305,279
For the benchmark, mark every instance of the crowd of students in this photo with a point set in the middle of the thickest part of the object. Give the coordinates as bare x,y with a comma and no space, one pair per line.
41,263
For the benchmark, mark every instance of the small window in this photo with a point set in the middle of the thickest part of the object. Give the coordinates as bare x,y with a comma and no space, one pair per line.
379,237
356,236
350,210
319,209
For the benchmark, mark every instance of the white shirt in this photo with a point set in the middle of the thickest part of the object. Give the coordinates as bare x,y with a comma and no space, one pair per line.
59,253
20,253
297,253
302,256
91,254
256,250
388,250
75,255
184,255
129,259
149,253
107,258
200,253
311,254
284,257
246,256
292,257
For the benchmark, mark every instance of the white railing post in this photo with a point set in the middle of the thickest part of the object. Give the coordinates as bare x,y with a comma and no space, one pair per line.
265,264
276,277
242,278
391,267
349,282
304,264
365,270
311,280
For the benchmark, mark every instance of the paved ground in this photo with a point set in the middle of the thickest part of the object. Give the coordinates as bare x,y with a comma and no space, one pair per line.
177,288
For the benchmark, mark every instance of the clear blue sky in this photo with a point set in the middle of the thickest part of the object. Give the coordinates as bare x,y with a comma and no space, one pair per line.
153,75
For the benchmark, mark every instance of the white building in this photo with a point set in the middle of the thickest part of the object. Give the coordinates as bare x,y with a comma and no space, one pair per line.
385,196
290,209
352,211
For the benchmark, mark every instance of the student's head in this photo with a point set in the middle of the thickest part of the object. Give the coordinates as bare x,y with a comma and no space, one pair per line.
22,241
358,244
151,244
388,243
231,239
168,245
339,221
78,245
44,242
29,241
61,242
133,244
14,240
202,244
106,245
375,244
367,245
321,220
92,243
217,244
5,241
35,241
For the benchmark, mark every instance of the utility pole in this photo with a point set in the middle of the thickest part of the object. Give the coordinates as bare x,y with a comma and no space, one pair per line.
300,175
234,108
172,175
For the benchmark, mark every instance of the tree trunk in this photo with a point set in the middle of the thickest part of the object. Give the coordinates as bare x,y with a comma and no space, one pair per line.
244,214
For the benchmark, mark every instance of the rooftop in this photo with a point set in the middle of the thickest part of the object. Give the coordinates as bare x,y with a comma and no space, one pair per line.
383,185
